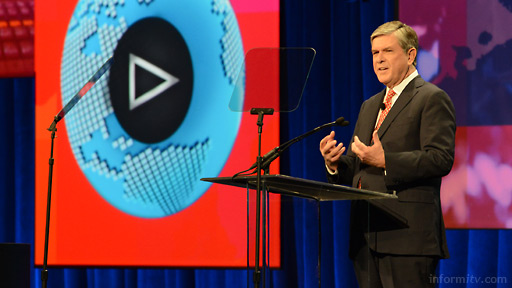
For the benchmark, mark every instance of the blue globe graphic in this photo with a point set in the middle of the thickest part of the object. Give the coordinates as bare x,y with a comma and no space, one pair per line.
156,179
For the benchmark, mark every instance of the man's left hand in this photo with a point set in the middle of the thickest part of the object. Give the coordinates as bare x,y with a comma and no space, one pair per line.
371,155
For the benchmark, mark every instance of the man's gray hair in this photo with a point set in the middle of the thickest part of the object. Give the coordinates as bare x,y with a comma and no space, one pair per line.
407,37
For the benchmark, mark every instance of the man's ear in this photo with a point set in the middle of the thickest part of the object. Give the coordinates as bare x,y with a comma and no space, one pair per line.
411,55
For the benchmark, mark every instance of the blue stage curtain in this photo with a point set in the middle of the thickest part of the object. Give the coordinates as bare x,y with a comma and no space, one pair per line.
341,79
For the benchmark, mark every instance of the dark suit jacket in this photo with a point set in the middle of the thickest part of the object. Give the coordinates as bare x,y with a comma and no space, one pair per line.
418,137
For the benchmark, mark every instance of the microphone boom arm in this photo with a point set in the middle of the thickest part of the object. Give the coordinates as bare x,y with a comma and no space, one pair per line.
272,155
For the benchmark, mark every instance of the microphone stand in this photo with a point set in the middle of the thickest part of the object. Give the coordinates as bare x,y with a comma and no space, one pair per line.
53,128
44,272
257,273
263,163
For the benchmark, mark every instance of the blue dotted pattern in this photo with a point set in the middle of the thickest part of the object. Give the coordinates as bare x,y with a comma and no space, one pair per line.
140,179
232,57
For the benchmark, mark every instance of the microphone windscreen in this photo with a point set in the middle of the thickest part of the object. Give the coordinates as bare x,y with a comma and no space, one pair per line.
341,122
382,106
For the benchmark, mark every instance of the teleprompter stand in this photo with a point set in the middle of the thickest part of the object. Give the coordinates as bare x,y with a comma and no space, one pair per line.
308,189
258,90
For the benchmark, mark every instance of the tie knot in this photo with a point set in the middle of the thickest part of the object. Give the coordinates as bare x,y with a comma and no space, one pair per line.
390,95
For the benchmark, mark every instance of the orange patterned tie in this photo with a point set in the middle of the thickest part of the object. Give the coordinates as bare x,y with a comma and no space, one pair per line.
384,113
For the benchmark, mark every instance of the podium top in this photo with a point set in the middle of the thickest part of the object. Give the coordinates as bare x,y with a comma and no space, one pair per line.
298,187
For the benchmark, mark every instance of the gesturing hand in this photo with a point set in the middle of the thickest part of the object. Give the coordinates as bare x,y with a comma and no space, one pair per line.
371,155
330,151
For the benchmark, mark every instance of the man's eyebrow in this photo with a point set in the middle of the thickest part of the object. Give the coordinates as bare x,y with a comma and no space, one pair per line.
384,48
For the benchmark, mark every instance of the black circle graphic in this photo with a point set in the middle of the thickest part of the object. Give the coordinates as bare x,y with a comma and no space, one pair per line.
151,80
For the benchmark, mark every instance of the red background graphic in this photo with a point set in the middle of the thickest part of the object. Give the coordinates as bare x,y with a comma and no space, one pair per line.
86,230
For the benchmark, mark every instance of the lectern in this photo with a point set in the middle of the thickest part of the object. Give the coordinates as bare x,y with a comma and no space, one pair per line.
309,189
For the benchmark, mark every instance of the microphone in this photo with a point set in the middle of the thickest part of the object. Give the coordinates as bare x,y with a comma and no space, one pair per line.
382,106
71,103
276,152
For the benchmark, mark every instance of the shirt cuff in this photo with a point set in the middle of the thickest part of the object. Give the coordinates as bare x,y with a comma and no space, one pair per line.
330,171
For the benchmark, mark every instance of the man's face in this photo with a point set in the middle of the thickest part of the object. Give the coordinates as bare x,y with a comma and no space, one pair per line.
390,62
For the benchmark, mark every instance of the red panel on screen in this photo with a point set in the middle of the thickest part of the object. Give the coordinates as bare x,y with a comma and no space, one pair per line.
476,194
87,230
463,53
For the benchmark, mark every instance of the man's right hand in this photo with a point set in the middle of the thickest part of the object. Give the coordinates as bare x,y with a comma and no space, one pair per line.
331,152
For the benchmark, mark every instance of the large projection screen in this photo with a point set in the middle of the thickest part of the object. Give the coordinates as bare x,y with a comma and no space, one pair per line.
129,155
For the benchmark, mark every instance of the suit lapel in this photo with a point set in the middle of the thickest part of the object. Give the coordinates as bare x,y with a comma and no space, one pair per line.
369,122
405,97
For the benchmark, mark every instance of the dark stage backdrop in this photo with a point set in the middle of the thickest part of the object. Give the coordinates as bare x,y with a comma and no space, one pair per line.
341,79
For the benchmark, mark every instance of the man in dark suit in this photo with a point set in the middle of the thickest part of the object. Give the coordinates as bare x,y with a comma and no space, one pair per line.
404,141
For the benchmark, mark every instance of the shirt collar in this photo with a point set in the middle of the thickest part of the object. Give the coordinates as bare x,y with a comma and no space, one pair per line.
400,87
